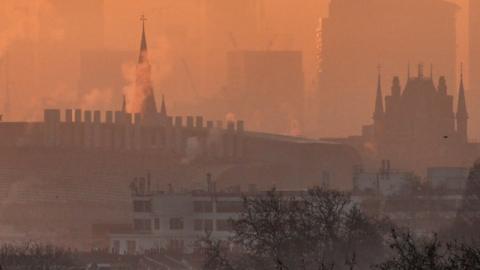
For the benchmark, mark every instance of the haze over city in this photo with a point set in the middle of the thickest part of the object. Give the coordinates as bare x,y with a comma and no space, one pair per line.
189,40
239,134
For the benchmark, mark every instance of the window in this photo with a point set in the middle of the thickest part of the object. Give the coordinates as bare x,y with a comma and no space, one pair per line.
224,225
138,206
176,224
138,224
203,225
203,206
116,247
142,224
198,225
142,206
148,206
208,226
147,224
229,206
157,223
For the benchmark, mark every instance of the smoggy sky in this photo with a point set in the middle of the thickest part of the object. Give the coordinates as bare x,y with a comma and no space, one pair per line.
42,40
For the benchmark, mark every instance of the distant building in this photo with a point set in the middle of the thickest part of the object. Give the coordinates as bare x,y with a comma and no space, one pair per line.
176,221
385,182
448,179
422,206
266,88
474,56
74,161
418,126
359,35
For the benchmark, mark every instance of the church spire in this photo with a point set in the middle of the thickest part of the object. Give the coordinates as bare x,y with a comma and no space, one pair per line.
462,104
163,108
378,113
143,57
143,84
462,114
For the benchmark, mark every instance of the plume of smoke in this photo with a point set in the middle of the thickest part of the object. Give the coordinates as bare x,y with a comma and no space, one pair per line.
230,117
161,61
97,99
192,151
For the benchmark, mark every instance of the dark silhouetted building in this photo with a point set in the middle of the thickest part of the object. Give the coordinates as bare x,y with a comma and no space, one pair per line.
266,88
358,35
418,126
421,113
474,70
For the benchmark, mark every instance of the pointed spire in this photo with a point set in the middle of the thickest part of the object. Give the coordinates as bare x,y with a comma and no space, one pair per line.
378,114
143,83
462,104
163,108
143,44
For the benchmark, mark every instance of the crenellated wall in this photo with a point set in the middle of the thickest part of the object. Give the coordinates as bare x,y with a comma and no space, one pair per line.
119,131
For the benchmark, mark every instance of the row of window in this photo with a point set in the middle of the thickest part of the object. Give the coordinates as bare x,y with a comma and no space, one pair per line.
222,206
140,206
178,224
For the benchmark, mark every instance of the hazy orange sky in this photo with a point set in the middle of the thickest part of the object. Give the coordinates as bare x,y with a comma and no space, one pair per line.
176,35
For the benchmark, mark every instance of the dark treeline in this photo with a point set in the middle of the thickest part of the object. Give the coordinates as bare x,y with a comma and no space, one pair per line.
32,256
322,229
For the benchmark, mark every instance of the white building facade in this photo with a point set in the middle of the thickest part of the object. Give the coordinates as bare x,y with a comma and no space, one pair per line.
176,221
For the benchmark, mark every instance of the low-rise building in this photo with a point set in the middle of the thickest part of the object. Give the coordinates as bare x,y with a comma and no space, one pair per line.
386,181
448,178
176,221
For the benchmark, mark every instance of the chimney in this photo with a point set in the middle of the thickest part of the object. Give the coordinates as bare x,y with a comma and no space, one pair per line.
69,116
190,121
78,115
88,116
109,117
96,116
178,121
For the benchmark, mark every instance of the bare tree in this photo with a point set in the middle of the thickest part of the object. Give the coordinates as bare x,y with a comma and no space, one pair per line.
429,254
318,229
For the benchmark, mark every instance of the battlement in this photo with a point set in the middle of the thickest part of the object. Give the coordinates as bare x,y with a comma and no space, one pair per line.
78,116
184,137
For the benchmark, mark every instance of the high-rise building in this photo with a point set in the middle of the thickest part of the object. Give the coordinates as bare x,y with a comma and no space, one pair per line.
474,53
227,25
359,35
266,89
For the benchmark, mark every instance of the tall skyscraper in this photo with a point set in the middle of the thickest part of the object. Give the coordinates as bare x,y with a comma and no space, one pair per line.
227,25
359,35
266,89
474,59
